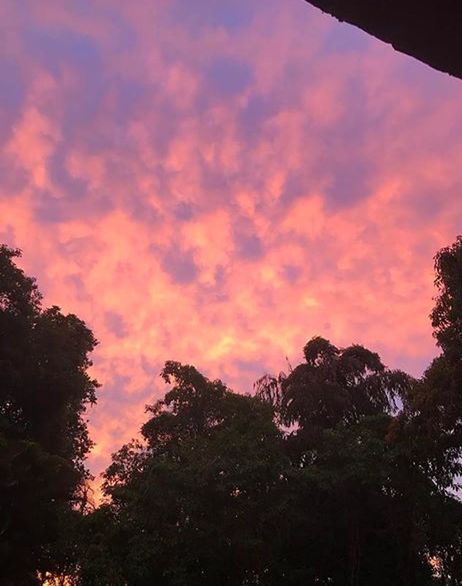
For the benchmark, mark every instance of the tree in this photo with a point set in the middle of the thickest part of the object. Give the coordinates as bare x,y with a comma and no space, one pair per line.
340,472
433,413
446,316
196,502
434,417
363,501
45,389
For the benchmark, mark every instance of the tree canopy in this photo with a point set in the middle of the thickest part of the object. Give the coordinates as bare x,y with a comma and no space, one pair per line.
341,471
44,391
196,496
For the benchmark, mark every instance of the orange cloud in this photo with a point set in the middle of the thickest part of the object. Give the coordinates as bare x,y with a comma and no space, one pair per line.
218,187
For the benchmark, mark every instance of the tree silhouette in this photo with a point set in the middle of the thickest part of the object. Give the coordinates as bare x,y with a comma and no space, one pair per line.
44,391
340,472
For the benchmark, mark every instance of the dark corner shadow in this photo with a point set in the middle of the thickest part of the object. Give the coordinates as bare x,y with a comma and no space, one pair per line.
427,30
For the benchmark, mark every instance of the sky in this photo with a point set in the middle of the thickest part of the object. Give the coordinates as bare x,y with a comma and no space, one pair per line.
218,181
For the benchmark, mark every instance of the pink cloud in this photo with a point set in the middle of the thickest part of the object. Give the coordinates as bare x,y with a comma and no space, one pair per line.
220,188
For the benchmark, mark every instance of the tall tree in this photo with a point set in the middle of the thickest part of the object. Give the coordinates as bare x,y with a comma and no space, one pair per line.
363,501
447,314
340,472
45,389
433,413
195,503
433,422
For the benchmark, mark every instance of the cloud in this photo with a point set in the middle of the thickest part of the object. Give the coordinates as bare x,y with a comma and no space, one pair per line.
227,77
12,91
218,185
180,265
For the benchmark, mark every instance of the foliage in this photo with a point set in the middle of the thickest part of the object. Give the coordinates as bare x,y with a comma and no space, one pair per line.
446,316
339,472
44,391
362,497
217,494
197,497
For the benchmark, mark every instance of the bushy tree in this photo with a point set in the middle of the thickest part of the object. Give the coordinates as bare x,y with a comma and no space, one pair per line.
341,472
194,502
44,391
358,497
437,399
447,314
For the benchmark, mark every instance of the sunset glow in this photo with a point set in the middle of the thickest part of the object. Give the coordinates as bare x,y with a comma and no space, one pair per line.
217,184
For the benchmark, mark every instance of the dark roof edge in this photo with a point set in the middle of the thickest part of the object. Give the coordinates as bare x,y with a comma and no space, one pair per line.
430,31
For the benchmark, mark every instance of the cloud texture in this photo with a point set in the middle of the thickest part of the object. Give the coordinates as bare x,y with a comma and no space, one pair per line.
217,181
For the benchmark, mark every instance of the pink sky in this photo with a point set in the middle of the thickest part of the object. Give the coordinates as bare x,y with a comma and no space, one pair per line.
218,181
